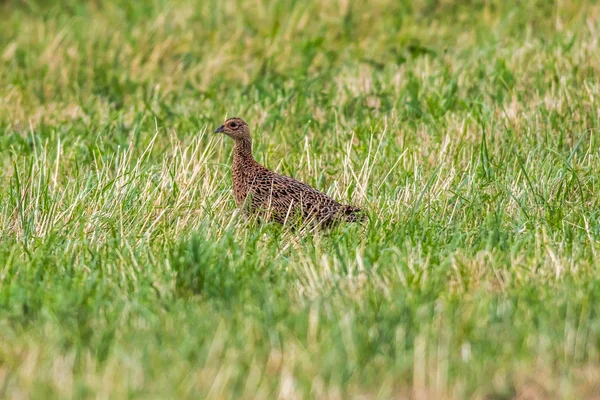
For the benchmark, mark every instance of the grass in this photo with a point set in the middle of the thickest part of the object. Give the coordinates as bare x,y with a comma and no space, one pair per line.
468,130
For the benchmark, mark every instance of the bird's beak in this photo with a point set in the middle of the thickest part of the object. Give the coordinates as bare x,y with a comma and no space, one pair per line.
219,129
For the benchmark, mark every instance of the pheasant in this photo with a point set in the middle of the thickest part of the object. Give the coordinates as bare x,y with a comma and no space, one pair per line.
273,197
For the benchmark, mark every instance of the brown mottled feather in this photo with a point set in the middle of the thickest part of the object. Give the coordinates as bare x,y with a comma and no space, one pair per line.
258,190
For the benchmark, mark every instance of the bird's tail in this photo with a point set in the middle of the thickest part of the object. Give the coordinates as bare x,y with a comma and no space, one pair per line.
352,214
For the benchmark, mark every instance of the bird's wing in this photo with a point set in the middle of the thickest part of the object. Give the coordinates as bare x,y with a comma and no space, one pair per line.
284,195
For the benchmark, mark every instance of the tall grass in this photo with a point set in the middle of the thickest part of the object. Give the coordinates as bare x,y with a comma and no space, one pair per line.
469,131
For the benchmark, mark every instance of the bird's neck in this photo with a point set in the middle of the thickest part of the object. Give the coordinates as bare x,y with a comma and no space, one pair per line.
242,150
243,163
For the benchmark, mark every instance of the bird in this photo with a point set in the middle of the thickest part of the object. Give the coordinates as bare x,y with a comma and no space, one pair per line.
274,197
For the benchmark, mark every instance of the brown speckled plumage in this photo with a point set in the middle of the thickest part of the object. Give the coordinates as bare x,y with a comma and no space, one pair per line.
258,190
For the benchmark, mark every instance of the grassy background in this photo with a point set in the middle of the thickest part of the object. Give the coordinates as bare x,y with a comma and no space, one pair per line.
469,130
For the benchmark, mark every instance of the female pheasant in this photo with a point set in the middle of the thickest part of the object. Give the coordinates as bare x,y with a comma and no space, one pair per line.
258,190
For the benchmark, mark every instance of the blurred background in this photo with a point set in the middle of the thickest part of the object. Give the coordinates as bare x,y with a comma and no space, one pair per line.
188,64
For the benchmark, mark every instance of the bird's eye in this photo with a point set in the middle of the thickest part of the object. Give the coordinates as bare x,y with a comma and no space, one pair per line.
233,125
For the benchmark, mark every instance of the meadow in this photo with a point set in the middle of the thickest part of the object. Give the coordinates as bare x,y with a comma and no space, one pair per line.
468,131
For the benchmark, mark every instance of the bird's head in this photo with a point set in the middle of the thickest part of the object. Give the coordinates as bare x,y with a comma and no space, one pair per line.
235,128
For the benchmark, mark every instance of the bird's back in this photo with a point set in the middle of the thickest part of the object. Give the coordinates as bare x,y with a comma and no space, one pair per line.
285,199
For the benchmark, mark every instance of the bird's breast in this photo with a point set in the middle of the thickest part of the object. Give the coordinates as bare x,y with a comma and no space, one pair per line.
239,177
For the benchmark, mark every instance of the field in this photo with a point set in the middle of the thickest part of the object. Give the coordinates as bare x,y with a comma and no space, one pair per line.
468,130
